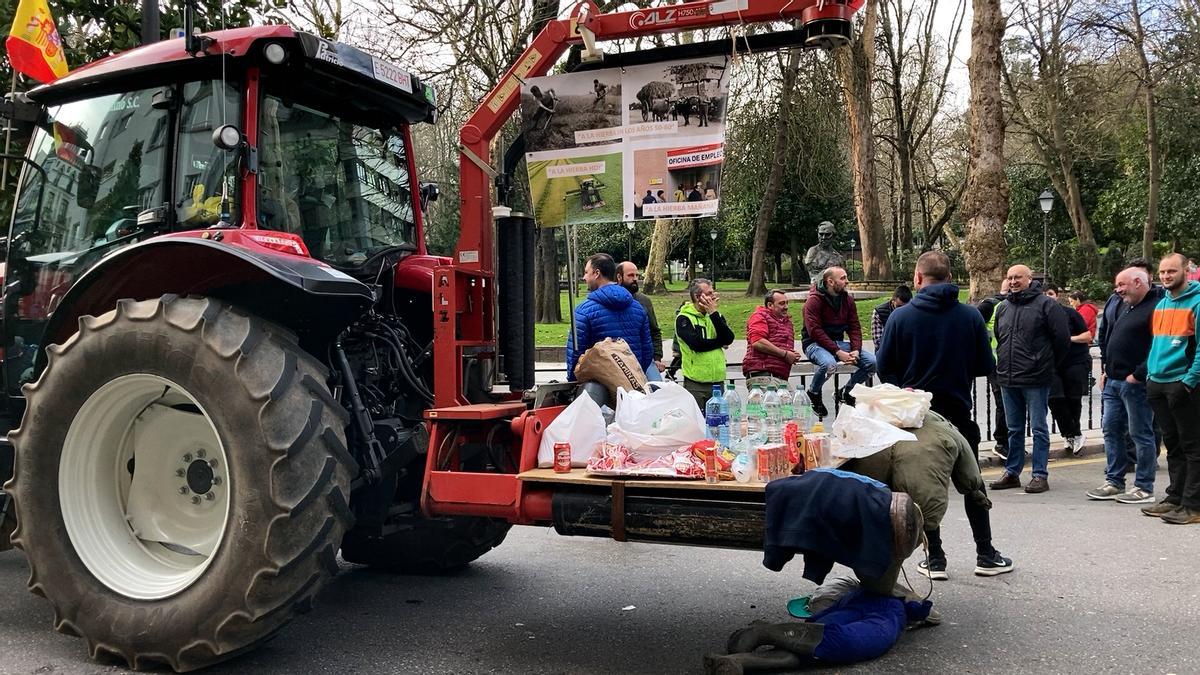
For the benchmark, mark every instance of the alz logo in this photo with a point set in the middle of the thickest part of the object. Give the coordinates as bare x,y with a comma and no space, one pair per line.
652,18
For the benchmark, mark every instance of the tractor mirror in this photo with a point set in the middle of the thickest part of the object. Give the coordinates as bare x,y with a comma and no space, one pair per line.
88,186
428,193
227,137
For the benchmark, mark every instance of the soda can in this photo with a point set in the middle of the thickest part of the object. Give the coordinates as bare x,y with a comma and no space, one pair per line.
562,457
763,463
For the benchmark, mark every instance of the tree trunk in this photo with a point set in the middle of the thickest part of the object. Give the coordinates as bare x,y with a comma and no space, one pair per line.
546,302
766,210
1152,147
655,281
985,203
797,261
778,267
856,66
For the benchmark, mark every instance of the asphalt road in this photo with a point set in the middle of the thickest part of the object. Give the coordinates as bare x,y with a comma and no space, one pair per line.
1097,588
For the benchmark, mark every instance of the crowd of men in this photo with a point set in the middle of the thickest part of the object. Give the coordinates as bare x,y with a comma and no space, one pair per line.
1040,366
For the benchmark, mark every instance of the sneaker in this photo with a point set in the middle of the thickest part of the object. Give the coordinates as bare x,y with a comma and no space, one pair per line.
844,396
934,569
1160,509
1037,484
1008,480
1075,445
990,567
1136,496
1182,516
1001,452
818,406
1106,491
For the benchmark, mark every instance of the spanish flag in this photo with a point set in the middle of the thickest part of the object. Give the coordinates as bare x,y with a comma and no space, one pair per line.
34,47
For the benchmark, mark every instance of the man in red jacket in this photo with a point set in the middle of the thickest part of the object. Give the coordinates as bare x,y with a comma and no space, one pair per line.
771,337
832,336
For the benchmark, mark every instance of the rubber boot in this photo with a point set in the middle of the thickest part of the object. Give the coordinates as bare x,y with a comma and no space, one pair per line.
751,662
798,638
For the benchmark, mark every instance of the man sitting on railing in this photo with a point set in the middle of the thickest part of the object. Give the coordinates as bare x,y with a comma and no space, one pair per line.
829,316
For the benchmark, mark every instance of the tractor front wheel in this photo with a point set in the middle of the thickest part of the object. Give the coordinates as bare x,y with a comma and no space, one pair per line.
181,482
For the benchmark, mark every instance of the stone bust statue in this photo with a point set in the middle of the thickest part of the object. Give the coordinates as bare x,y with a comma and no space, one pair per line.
823,255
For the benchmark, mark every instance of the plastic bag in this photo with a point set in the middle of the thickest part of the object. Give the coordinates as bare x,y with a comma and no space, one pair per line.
855,434
660,422
581,424
904,408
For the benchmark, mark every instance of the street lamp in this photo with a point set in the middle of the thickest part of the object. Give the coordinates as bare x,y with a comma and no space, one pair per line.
713,273
1046,199
630,225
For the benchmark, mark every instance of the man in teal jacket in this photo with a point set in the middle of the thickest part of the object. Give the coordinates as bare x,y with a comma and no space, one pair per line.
1173,388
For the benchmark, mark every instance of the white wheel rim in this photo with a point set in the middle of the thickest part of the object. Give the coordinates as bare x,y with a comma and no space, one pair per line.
150,535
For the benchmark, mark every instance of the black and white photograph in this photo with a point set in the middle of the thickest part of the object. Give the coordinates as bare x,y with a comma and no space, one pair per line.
554,108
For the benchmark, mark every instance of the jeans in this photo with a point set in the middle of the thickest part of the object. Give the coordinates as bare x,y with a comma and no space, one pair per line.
1127,410
652,374
1017,402
1177,411
824,360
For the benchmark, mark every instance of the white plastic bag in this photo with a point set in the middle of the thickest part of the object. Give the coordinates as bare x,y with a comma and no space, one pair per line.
581,424
659,422
856,434
904,408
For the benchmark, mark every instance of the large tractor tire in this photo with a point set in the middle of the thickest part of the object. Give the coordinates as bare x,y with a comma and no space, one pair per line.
181,482
428,545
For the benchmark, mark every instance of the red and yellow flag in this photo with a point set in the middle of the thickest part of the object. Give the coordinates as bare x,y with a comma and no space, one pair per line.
34,47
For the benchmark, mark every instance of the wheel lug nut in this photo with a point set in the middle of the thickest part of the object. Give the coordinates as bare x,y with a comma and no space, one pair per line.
187,457
179,472
183,490
212,463
200,453
196,500
210,496
216,480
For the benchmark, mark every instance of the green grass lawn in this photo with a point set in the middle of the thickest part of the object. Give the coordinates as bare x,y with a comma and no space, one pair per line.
735,307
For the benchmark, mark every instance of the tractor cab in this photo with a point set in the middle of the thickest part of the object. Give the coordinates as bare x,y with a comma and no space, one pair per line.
299,143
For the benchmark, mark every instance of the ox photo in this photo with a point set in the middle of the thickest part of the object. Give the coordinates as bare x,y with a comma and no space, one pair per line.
556,108
692,94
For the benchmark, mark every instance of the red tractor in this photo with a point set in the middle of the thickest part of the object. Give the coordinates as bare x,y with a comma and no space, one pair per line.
230,355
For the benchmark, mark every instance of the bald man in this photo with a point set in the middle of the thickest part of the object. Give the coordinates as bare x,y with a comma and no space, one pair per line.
1031,342
628,277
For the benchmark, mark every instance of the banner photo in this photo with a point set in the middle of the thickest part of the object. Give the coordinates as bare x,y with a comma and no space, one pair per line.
614,145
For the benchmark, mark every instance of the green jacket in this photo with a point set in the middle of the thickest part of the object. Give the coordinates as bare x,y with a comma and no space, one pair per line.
925,468
702,339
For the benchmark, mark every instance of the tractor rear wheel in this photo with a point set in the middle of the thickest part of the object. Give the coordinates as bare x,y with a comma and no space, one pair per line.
181,482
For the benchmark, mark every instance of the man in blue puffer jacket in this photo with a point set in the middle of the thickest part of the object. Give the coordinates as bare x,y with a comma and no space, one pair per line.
608,312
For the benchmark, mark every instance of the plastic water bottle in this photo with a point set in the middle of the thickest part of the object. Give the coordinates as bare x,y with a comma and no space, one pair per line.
802,410
787,411
756,431
736,412
716,417
772,413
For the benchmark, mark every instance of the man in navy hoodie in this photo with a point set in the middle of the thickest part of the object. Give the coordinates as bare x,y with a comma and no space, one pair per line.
941,346
609,312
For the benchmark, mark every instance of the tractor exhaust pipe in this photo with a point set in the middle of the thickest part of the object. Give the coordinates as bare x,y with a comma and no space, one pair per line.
150,27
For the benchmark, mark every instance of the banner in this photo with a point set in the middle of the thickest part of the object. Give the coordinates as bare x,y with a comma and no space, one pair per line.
34,47
615,145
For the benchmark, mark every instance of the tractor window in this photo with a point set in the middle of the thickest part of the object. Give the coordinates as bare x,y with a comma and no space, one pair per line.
342,186
203,168
102,169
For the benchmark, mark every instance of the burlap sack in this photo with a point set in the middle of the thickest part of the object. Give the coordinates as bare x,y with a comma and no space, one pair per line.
611,363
